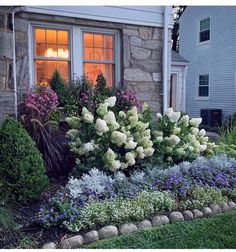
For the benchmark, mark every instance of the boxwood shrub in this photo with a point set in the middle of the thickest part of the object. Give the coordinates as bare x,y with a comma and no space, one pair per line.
22,171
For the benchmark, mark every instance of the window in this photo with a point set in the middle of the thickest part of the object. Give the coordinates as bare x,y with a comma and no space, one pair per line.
204,34
203,88
51,51
98,49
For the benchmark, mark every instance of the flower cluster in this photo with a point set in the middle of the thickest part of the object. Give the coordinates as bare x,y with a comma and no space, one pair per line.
126,99
45,100
90,198
115,140
178,138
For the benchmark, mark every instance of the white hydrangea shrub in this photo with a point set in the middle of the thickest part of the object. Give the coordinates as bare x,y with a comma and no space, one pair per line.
107,139
178,138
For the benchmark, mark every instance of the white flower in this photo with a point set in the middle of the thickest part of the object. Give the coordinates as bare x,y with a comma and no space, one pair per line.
159,139
131,145
118,138
102,109
123,165
169,111
203,147
110,156
180,151
191,148
101,127
184,120
174,116
194,130
202,132
149,152
206,139
176,130
72,133
87,116
115,165
89,146
174,139
140,150
159,115
129,157
195,122
111,101
110,119
122,115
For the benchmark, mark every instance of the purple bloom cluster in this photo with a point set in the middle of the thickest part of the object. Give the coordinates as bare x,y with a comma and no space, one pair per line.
126,99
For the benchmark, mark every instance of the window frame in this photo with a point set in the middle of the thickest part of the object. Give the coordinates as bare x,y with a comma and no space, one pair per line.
198,82
198,31
75,38
32,49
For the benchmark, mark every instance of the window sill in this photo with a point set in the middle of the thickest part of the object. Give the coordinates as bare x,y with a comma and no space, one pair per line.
203,43
203,98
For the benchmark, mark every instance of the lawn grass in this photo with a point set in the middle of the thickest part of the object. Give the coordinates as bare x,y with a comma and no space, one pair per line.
218,232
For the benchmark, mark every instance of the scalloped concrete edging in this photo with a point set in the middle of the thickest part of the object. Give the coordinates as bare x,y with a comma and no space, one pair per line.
110,231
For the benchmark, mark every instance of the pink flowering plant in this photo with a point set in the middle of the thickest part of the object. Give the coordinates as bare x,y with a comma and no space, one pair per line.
36,116
44,101
126,99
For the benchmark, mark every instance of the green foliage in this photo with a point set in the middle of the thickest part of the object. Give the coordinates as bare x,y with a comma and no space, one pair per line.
21,170
229,150
217,232
6,220
119,211
228,134
57,84
229,194
203,196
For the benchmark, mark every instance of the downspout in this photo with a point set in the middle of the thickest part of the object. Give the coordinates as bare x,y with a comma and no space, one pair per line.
14,63
165,61
14,10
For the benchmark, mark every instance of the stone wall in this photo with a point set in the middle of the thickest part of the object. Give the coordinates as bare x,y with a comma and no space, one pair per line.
141,57
6,56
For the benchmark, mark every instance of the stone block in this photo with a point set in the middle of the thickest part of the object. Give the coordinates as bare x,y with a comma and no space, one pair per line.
231,205
188,215
91,237
130,32
176,216
144,224
145,32
140,53
158,34
215,208
149,65
152,44
225,207
136,41
207,211
127,228
126,52
197,213
132,74
49,245
107,231
6,45
75,241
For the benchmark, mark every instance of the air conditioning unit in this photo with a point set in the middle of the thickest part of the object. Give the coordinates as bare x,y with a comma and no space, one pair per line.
211,117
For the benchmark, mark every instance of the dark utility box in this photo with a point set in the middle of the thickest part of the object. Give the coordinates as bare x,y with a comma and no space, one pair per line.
211,117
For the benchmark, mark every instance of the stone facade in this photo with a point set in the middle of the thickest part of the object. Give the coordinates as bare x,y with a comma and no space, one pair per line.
141,59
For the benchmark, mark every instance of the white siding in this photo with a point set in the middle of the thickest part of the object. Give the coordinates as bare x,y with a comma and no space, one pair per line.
216,58
140,15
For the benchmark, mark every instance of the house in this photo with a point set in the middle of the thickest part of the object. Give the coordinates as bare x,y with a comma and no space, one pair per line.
207,41
128,44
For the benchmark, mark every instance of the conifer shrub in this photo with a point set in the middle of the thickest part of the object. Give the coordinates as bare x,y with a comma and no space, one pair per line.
22,171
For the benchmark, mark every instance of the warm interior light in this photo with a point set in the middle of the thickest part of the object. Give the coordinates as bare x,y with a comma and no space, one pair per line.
57,54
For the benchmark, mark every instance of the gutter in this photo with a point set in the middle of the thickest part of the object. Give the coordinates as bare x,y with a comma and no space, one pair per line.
165,67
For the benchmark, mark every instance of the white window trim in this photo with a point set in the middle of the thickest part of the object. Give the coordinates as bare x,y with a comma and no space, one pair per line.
198,43
197,87
75,38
